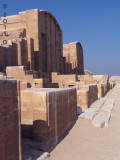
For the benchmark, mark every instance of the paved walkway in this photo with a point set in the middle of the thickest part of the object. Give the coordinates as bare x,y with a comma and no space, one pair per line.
86,142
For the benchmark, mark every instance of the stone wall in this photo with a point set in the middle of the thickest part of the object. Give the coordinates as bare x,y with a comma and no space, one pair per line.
86,95
102,82
43,28
39,43
10,132
17,53
57,78
47,114
74,55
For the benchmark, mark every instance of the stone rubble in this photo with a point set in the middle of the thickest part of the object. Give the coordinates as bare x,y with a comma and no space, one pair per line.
99,112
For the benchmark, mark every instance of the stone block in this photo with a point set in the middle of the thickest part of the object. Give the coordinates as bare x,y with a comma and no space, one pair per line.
10,132
107,108
99,103
88,114
105,115
98,121
48,108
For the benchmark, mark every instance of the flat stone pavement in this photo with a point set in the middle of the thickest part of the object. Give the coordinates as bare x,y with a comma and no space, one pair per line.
86,142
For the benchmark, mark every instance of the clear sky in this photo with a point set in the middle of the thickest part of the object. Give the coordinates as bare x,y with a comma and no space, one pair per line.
95,23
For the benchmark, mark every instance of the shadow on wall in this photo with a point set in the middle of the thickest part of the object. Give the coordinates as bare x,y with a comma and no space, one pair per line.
27,131
36,135
41,137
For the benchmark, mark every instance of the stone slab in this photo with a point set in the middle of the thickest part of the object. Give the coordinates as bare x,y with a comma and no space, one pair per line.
108,108
105,116
98,103
109,101
98,121
92,109
88,114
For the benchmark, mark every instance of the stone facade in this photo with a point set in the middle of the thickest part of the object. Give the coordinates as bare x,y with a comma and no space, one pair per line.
52,82
10,130
37,34
38,28
47,114
74,55
21,50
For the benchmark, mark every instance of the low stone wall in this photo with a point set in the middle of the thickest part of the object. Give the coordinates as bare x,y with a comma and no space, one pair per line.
86,95
87,79
58,78
47,114
103,88
10,133
100,78
102,82
82,99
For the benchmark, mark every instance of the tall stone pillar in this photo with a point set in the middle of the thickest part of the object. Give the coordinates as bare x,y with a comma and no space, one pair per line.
19,53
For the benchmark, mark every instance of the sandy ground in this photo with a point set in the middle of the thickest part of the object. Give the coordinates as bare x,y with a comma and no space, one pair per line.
86,142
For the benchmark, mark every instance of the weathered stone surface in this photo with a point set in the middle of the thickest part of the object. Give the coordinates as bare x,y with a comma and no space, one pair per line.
107,120
100,112
43,111
38,50
39,61
105,115
98,103
10,130
88,114
98,121
108,107
74,55
109,101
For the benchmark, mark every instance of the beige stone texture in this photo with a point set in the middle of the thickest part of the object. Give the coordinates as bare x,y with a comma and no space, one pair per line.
74,55
43,111
10,130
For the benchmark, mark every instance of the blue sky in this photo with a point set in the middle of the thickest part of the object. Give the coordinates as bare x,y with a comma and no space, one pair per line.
95,23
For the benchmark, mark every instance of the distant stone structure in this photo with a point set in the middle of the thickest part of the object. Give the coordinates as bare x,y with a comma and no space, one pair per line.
51,80
35,41
86,72
74,55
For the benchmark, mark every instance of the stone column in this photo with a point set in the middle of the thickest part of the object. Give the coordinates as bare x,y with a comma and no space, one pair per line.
19,52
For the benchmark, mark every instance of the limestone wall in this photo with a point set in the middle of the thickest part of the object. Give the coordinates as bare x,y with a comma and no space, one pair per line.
10,132
102,82
17,53
86,95
42,27
57,78
74,55
48,114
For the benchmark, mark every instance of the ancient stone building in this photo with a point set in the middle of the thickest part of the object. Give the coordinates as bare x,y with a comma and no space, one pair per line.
42,114
17,53
74,55
40,28
10,130
34,39
52,81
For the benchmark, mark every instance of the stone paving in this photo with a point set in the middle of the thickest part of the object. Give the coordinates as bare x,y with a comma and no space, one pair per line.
99,112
